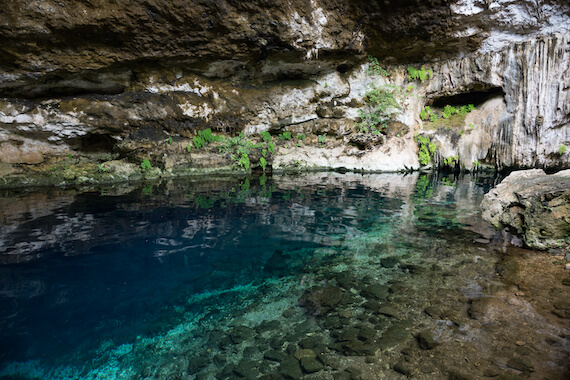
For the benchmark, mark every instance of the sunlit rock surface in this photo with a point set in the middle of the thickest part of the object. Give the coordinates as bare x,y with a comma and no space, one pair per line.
534,205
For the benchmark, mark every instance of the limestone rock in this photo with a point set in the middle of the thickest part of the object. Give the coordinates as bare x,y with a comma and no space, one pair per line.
534,205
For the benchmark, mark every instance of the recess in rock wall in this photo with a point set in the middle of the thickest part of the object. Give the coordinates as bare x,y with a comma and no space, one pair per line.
96,143
474,97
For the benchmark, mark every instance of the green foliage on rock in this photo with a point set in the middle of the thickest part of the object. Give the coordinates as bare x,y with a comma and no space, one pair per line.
375,68
382,104
562,149
262,163
421,74
266,136
425,113
145,164
451,160
448,111
426,151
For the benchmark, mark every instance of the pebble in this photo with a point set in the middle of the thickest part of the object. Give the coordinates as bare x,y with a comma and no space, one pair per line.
520,343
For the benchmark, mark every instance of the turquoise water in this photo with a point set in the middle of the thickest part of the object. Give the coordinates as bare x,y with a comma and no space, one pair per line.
188,279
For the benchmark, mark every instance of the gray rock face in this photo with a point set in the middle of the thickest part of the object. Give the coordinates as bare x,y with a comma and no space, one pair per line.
524,116
76,77
534,205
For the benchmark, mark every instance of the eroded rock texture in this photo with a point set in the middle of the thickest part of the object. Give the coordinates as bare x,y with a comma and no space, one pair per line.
534,205
116,79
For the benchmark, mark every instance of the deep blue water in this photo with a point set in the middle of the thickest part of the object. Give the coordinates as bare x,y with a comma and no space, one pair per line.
85,277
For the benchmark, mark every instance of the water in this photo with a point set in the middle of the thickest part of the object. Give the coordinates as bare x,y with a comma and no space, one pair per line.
186,278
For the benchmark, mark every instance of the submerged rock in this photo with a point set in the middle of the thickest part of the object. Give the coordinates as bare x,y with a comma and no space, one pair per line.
320,301
534,205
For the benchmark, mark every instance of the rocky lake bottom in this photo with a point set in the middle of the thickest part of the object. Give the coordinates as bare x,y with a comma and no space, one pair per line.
311,276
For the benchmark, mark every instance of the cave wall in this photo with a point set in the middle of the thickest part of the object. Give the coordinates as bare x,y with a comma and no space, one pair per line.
89,76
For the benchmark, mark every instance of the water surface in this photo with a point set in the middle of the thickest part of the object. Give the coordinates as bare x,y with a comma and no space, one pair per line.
186,278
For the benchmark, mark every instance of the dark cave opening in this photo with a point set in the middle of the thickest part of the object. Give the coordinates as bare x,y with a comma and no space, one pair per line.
97,143
474,97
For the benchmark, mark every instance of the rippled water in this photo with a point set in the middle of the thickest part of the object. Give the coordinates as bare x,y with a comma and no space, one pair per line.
190,279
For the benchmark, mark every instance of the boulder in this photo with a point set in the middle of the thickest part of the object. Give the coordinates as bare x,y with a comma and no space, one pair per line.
534,205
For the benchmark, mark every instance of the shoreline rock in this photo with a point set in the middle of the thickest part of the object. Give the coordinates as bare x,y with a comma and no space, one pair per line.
533,205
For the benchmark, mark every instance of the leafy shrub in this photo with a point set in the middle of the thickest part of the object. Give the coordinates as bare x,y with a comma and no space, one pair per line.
433,117
271,147
285,136
448,111
425,113
145,164
421,74
427,149
383,103
266,136
244,161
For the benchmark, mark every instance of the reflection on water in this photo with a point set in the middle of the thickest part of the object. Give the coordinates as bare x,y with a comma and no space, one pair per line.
189,279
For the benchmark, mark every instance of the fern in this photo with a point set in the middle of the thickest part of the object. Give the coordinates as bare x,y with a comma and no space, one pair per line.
262,163
421,74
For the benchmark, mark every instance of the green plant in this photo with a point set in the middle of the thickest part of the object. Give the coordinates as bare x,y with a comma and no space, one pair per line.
145,164
266,136
433,117
147,190
205,136
451,160
188,147
301,136
421,74
322,139
262,163
374,68
285,136
448,111
244,161
476,164
101,168
199,142
410,87
271,148
472,126
425,113
562,149
382,104
69,156
427,149
170,140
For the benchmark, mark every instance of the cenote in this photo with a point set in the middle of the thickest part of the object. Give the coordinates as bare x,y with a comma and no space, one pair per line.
315,276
